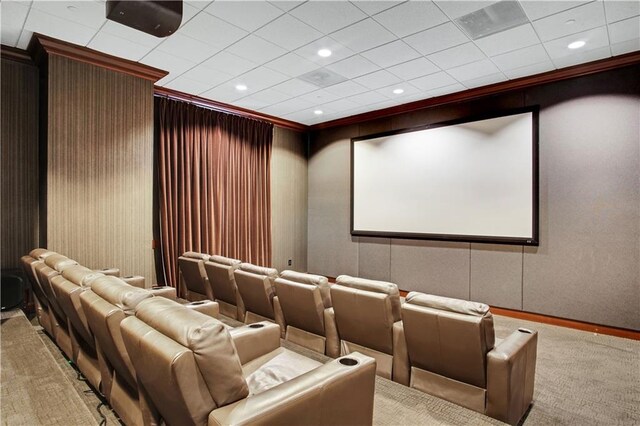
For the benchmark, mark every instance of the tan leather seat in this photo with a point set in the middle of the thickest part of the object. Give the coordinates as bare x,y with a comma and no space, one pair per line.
219,271
306,305
256,287
197,373
193,277
452,356
368,317
42,308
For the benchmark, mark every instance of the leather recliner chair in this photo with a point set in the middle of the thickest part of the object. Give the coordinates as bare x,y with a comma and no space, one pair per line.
306,305
199,373
193,277
368,318
219,271
29,263
452,356
256,287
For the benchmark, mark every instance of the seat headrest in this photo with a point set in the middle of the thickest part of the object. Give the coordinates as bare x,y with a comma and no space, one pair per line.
59,262
259,270
368,285
317,280
225,260
40,253
81,275
195,255
119,293
447,304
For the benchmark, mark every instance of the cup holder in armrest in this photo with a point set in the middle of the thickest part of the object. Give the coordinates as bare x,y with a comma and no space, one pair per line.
157,287
525,330
256,325
199,302
350,362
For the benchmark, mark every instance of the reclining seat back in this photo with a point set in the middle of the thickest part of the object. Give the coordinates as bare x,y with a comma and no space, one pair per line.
186,361
223,285
448,341
366,311
256,286
194,277
42,303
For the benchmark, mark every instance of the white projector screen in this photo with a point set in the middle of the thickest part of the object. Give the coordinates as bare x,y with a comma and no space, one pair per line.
460,181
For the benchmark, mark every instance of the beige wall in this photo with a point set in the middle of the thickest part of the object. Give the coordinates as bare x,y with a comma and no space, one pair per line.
19,161
100,167
587,266
289,200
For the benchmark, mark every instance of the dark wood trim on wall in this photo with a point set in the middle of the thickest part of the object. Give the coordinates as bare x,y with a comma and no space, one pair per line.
15,54
493,89
230,109
42,44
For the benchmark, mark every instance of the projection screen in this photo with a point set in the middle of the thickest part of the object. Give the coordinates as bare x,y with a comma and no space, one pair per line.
474,180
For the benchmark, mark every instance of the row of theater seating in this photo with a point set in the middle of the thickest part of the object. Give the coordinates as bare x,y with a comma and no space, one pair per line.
158,361
445,347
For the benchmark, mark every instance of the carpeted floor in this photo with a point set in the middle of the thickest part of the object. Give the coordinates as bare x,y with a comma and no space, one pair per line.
581,379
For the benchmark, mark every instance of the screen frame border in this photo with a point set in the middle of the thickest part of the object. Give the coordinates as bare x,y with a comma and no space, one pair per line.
533,241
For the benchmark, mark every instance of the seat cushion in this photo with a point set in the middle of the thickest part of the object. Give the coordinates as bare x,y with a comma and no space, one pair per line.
447,304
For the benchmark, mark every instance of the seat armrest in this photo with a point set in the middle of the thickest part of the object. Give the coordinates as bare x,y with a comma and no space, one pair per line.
511,370
206,307
163,291
333,393
255,340
332,342
279,316
401,368
109,271
134,280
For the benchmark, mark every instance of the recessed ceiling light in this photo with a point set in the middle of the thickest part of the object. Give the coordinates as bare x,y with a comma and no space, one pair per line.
71,8
318,112
576,44
398,91
325,53
570,21
241,87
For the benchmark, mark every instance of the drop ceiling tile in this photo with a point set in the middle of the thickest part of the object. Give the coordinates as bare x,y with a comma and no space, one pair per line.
306,117
320,97
457,56
484,80
287,107
211,30
286,5
339,105
167,62
251,103
328,16
590,15
617,10
522,57
117,46
256,49
628,29
594,39
436,39
187,85
414,69
127,33
625,47
582,57
207,76
25,38
236,13
539,9
411,17
456,9
288,32
346,88
188,12
187,48
295,87
408,90
433,81
354,66
229,63
364,35
13,15
371,7
43,23
198,4
292,65
377,79
445,90
368,98
87,13
261,78
529,70
506,41
338,51
473,70
223,93
391,54
270,96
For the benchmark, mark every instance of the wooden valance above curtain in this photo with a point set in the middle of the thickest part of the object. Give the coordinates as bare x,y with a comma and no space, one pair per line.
213,187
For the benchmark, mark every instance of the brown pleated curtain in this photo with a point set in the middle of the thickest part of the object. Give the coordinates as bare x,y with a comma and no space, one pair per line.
213,189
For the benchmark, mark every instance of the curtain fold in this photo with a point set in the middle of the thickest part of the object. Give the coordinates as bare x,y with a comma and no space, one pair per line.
213,185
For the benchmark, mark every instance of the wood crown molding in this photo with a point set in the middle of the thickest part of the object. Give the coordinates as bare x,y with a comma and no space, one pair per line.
229,109
607,64
41,44
16,55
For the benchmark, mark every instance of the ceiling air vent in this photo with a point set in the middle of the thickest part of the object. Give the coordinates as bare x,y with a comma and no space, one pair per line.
492,19
322,78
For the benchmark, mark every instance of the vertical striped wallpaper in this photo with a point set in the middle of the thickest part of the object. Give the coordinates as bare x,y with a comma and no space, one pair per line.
100,167
19,161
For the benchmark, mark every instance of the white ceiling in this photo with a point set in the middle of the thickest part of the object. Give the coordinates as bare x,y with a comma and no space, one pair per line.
377,46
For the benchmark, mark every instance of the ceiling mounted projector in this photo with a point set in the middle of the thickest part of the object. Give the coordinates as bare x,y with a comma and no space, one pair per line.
158,18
